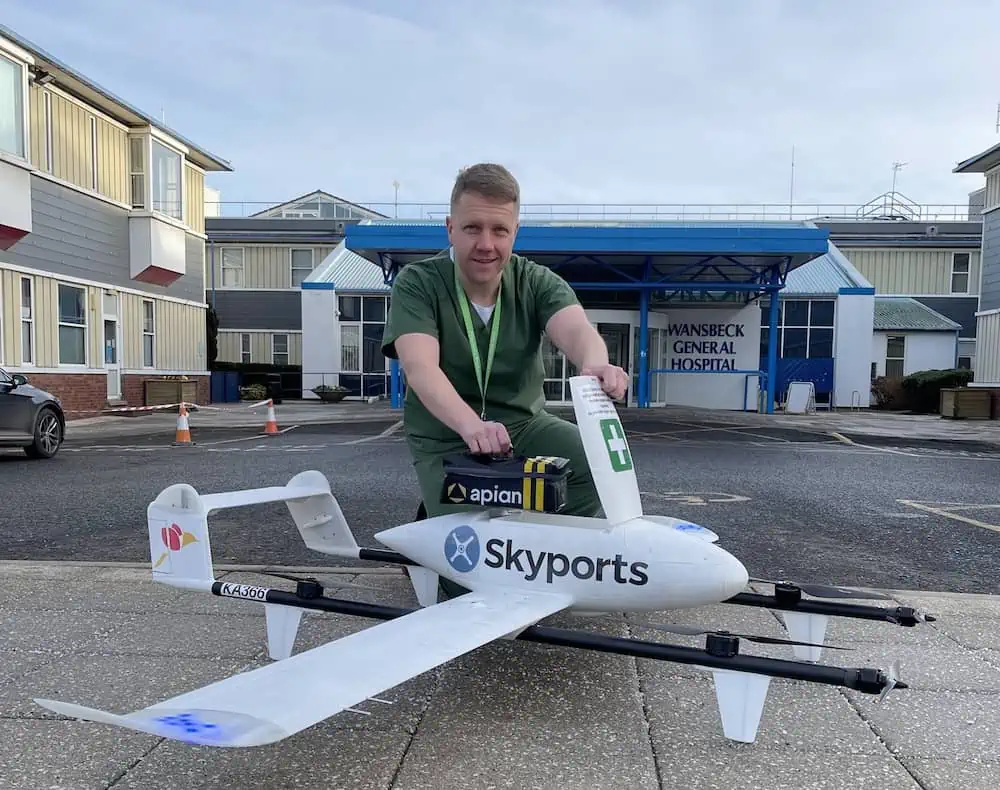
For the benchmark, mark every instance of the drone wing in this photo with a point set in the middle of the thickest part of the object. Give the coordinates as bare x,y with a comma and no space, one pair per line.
607,450
278,700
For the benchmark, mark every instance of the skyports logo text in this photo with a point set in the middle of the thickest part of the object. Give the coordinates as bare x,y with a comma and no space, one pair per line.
502,554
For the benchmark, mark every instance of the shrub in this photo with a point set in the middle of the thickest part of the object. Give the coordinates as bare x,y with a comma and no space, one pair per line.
889,394
923,388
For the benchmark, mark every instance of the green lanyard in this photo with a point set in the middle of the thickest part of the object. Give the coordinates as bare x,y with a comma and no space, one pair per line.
474,344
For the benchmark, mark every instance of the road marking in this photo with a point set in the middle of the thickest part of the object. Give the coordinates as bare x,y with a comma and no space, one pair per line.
703,498
387,432
938,511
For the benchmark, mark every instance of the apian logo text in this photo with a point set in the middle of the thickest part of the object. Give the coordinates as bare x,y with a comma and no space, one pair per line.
502,554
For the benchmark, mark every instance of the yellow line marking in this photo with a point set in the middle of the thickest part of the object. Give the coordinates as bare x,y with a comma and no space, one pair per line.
948,514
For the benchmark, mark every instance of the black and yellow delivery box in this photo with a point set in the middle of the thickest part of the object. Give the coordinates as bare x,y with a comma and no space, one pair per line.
514,482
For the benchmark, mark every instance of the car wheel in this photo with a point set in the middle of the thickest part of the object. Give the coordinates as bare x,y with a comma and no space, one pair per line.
48,435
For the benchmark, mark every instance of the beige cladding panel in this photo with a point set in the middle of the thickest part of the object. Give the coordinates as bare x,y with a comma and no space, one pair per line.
179,334
988,349
194,199
266,265
230,346
112,161
912,272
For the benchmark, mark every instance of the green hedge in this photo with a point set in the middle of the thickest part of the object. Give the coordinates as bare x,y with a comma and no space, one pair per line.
922,390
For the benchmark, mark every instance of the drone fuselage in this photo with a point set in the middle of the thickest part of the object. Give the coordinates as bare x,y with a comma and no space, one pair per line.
640,565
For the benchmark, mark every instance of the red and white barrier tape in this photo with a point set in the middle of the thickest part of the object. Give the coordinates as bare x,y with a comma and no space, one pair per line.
186,404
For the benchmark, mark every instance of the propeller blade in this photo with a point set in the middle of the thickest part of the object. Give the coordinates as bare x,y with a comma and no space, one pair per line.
688,630
829,590
892,681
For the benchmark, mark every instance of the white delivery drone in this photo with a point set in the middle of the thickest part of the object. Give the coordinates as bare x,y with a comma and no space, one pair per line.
520,566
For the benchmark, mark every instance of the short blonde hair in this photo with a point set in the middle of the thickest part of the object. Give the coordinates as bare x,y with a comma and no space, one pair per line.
489,180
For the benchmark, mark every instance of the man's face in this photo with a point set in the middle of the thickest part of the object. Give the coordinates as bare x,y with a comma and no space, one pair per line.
482,232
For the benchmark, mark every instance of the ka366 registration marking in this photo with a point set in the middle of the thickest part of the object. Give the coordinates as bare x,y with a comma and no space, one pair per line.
247,592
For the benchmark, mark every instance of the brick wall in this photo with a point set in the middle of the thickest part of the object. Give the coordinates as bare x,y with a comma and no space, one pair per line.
82,395
86,394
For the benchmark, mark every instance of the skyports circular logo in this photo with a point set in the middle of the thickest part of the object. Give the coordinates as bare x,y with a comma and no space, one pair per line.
461,548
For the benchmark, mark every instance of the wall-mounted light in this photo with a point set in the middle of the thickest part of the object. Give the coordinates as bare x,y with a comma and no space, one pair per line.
39,77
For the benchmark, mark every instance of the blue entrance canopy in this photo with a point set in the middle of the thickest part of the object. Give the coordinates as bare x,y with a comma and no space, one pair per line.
653,258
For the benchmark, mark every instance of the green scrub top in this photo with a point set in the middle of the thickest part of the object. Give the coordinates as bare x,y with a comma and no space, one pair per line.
425,299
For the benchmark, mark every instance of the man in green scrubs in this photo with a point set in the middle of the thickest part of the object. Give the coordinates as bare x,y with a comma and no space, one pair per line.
467,326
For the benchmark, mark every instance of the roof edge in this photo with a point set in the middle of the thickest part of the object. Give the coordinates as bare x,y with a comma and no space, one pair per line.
200,156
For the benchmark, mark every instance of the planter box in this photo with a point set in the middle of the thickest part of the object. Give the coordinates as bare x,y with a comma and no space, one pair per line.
966,403
159,392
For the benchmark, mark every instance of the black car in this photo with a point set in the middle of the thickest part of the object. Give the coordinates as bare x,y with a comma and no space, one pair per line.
29,417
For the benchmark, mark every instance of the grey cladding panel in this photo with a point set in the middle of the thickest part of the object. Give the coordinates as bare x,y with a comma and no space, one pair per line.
990,293
961,309
258,309
80,236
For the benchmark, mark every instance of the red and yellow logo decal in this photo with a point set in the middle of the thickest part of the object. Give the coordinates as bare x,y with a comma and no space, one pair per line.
175,539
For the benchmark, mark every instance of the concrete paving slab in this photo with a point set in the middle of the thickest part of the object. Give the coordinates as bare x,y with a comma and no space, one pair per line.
322,758
951,774
65,755
510,714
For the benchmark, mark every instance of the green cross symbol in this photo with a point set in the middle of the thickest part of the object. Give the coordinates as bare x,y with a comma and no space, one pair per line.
617,447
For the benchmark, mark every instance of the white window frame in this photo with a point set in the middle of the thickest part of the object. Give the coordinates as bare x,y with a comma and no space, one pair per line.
287,352
246,348
179,216
240,268
26,323
900,359
967,273
292,268
25,141
85,326
150,334
138,171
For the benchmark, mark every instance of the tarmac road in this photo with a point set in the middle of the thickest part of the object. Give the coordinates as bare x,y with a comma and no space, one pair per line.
810,509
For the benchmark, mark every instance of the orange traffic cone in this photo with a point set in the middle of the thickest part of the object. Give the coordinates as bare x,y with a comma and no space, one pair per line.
271,426
182,436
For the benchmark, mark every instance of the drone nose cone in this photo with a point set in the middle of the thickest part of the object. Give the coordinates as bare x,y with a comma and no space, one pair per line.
733,575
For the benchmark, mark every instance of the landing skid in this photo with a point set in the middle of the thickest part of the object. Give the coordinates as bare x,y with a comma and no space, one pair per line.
741,681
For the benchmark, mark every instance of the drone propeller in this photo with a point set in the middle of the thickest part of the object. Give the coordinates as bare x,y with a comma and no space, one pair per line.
829,591
892,681
311,580
689,630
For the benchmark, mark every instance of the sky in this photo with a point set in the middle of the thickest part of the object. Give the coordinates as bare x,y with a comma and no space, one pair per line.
586,101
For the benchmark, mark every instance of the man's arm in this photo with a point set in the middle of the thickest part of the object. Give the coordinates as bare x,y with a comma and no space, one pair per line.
419,354
576,337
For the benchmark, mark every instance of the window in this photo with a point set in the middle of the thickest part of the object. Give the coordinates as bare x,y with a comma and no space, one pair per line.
148,333
805,329
232,267
362,365
895,349
72,325
965,363
12,111
245,355
960,272
166,170
27,321
279,349
302,265
137,170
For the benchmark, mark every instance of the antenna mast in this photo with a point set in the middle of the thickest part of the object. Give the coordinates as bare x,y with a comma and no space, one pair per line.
791,183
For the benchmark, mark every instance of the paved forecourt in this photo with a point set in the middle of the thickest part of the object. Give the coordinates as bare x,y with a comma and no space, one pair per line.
511,714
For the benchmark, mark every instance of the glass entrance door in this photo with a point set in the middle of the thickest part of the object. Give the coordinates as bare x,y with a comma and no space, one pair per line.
111,364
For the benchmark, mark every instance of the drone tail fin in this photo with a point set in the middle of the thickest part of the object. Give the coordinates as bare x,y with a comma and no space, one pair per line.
608,452
181,551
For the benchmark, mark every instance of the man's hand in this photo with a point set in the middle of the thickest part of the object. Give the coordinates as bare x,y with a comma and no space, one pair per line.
488,438
614,380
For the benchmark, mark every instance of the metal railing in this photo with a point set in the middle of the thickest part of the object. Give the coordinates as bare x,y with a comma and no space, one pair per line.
897,208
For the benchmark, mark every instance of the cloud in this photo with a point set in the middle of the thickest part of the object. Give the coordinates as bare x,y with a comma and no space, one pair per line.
630,101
